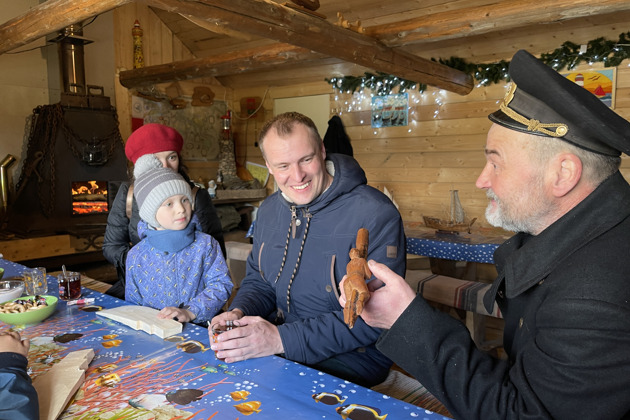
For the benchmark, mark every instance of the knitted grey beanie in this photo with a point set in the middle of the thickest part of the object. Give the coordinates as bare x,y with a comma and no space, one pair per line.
153,185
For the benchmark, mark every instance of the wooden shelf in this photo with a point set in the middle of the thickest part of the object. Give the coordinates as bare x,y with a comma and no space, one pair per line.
239,196
34,248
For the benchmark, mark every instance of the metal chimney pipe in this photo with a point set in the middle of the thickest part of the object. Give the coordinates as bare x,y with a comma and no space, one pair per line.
71,59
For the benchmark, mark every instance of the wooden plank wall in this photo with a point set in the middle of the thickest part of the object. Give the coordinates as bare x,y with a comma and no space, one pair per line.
441,148
246,130
159,47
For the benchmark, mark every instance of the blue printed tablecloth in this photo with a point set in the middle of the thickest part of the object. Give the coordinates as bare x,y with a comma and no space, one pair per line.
134,373
472,247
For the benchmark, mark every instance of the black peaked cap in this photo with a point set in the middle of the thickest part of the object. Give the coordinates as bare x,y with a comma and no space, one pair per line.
543,102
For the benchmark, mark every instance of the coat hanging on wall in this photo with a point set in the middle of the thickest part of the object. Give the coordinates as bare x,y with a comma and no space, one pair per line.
336,140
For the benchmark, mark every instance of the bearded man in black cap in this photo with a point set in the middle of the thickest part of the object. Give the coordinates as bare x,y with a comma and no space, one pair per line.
563,285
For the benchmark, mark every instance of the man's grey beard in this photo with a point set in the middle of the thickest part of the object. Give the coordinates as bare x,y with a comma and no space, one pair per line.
498,218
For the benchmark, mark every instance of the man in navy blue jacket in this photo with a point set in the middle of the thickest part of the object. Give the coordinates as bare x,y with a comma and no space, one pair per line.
288,302
19,398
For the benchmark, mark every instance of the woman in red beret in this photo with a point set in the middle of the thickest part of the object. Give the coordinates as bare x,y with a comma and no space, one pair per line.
121,232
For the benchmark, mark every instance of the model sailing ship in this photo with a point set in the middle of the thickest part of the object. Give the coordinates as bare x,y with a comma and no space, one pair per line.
457,218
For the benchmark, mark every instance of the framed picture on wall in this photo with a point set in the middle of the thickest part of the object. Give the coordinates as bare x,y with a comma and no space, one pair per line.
601,83
390,110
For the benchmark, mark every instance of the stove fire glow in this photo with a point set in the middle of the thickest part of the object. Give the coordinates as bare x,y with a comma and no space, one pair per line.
89,197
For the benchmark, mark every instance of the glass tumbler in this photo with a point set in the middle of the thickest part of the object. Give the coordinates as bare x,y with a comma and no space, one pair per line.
218,329
35,281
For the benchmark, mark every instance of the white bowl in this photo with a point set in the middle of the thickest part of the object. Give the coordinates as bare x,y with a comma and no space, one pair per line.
10,290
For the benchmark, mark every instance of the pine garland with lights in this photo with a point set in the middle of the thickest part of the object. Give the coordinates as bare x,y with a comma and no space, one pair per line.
569,55
381,83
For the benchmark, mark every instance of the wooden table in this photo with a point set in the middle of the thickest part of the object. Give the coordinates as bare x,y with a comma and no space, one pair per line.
134,372
444,249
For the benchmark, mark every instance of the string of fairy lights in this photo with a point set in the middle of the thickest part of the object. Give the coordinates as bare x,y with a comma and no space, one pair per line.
568,56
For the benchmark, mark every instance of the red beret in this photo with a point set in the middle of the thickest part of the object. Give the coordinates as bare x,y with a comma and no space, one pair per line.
152,138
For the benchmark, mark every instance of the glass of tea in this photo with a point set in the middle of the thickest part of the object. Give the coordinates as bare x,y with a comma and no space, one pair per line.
69,285
218,329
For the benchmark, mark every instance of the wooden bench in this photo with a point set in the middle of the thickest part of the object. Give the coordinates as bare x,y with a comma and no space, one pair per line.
466,295
236,257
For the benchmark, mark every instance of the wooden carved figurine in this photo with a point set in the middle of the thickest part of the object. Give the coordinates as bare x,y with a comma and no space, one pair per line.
357,272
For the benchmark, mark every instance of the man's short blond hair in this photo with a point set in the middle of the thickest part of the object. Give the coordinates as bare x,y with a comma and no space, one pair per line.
284,124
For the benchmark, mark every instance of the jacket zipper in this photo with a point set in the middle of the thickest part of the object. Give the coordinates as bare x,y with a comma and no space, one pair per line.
293,221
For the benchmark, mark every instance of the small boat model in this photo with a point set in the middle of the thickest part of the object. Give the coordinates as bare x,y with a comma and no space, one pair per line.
446,225
457,218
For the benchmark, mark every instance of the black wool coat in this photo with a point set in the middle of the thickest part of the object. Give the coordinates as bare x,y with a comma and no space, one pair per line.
565,297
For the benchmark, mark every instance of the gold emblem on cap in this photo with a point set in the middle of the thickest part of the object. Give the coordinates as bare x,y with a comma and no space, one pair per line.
510,94
531,124
562,130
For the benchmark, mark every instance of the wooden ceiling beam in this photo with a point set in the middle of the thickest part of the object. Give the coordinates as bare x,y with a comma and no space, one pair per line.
218,29
271,20
237,62
274,21
50,17
490,18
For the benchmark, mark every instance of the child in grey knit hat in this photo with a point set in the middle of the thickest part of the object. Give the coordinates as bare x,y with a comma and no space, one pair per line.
153,185
175,267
